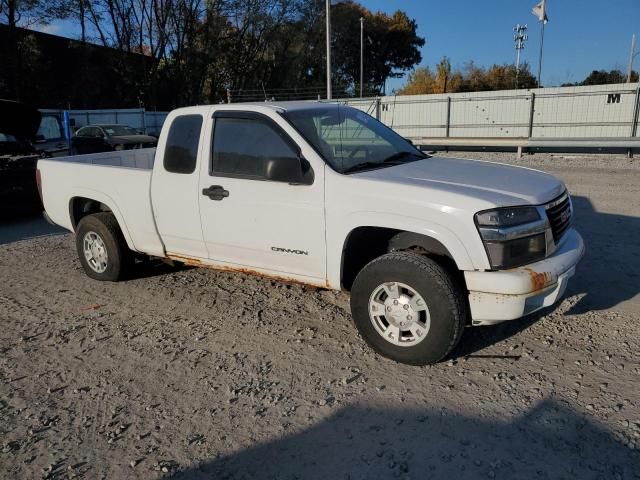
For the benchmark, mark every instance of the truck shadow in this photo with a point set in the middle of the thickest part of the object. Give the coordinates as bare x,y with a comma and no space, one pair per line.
549,441
153,267
15,227
609,273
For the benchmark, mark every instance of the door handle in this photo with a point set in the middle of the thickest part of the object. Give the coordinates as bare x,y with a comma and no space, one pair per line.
215,192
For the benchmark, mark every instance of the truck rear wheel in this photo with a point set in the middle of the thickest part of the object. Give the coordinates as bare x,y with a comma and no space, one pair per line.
101,247
408,308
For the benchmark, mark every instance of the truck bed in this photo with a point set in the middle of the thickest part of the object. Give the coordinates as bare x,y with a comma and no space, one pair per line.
138,158
119,180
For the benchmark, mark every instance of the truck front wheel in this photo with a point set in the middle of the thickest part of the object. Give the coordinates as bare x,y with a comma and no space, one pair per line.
101,247
408,308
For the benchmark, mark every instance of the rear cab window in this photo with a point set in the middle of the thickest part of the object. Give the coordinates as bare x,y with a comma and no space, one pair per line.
181,150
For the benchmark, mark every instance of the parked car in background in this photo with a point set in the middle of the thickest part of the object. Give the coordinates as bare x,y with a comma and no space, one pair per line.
50,138
106,138
18,158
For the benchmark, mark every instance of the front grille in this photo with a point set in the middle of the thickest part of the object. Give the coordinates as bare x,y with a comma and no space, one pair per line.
559,214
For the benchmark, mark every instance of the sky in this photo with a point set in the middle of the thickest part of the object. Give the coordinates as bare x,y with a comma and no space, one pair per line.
581,36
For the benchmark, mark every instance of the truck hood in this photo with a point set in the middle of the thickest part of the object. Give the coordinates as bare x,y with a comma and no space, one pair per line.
496,183
18,119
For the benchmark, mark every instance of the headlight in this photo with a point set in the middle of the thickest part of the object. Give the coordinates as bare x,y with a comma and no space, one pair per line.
513,236
119,147
507,217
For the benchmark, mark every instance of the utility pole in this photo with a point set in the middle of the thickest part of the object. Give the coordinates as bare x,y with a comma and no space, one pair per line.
520,36
632,55
328,8
361,53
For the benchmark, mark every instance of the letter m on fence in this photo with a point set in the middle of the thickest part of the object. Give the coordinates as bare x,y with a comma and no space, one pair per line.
614,98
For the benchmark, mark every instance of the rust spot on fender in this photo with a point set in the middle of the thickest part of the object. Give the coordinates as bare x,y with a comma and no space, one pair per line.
539,280
195,262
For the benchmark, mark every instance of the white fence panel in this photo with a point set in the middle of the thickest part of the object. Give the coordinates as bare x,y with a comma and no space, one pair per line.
600,111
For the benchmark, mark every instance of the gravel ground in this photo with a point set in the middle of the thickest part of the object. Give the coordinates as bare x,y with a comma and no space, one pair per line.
195,374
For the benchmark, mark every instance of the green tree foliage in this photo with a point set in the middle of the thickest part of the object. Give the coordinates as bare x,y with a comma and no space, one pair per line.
193,51
602,77
471,78
391,45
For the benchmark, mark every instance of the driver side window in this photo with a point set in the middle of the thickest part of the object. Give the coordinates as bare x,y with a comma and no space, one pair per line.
242,147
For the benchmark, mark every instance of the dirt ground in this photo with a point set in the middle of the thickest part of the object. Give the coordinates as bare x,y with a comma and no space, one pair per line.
194,374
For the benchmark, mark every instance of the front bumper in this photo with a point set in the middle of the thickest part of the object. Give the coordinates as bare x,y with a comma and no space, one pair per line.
496,297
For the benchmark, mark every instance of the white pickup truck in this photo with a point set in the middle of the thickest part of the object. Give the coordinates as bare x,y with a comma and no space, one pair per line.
326,195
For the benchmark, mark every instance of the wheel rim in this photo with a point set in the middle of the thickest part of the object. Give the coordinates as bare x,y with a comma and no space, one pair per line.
399,314
95,252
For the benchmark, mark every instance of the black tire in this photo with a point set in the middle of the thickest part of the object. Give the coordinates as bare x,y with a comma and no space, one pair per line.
119,257
444,298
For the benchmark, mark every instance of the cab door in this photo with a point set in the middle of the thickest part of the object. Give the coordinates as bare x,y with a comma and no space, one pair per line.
174,186
255,218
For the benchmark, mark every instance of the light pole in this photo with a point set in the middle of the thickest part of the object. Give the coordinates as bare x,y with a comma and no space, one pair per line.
632,55
520,36
540,57
540,11
361,53
328,8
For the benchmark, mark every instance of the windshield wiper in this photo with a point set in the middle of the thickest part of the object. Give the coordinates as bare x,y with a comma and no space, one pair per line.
364,165
394,159
398,155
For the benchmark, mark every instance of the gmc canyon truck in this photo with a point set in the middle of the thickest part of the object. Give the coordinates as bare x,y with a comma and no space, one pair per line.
325,195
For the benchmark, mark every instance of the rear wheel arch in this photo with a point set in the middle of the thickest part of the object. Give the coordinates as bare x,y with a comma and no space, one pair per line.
80,207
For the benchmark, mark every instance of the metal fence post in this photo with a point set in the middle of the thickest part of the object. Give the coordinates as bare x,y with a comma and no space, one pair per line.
448,126
636,111
378,105
634,120
531,112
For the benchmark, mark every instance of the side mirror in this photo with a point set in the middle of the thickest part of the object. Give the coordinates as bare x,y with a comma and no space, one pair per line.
409,140
288,170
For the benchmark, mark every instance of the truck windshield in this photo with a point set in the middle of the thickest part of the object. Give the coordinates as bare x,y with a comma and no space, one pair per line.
350,140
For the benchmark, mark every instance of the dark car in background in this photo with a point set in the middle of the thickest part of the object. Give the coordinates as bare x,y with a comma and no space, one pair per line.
106,138
18,158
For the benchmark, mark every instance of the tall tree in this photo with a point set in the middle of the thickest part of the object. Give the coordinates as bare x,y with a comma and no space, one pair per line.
443,72
392,45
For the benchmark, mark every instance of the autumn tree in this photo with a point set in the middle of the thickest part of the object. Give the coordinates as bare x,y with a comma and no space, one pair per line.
471,78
